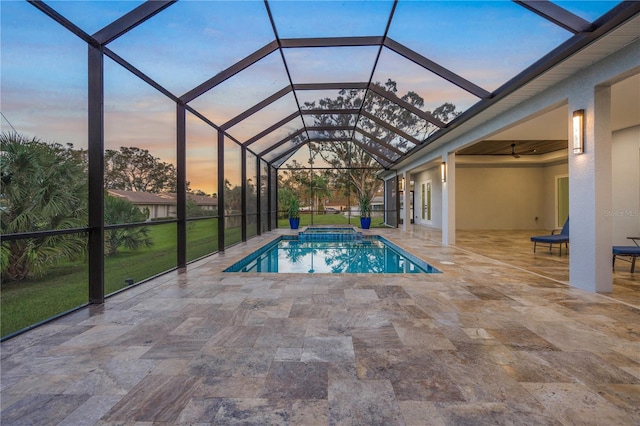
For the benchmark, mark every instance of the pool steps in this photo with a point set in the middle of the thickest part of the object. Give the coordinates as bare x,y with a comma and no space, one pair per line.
329,234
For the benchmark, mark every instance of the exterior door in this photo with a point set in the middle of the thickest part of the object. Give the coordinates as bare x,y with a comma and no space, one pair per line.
425,201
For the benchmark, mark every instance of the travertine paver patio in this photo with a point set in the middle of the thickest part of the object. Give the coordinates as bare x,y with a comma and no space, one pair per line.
486,342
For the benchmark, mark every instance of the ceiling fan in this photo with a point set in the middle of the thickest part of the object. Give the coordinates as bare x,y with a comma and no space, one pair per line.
513,151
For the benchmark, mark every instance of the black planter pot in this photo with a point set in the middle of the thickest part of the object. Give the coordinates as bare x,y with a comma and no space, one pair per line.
365,222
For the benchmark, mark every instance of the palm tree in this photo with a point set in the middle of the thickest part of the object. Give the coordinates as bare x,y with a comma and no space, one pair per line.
118,211
43,187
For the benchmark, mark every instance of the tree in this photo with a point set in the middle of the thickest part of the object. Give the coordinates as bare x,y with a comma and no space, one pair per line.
353,167
251,189
43,187
194,210
232,197
304,184
319,190
285,197
117,211
293,177
135,169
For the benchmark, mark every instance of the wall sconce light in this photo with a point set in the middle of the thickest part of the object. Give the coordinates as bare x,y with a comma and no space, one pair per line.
402,185
443,171
578,131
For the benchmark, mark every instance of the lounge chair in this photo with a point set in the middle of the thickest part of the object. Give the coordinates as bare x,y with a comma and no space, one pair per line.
561,238
627,251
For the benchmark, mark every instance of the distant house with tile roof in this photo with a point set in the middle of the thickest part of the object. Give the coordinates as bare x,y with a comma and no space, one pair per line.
164,204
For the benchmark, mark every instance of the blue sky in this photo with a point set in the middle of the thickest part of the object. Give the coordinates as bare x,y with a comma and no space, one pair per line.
44,71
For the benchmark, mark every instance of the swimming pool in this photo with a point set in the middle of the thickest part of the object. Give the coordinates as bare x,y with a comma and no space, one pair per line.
367,255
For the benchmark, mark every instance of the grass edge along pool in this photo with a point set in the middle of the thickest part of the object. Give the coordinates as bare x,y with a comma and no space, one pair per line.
254,262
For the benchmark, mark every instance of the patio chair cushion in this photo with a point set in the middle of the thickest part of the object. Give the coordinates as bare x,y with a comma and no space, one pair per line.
626,250
551,239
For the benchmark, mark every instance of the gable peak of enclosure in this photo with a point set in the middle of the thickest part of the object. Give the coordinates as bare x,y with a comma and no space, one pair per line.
385,77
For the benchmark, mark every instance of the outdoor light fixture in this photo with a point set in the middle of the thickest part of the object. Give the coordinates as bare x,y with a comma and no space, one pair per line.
578,131
443,171
402,185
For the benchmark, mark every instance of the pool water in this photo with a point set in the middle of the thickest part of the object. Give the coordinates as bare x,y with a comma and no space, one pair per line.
366,255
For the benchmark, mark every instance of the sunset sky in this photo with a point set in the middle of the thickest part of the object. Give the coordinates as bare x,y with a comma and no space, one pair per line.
44,66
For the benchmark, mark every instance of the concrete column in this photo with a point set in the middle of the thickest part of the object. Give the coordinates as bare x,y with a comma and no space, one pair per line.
449,201
590,193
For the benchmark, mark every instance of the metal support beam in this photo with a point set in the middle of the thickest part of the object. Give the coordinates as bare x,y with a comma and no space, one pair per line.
391,128
556,14
379,142
330,42
257,107
330,86
298,132
406,105
259,194
53,14
142,76
290,150
294,115
270,199
376,156
279,161
437,69
329,128
283,141
397,201
210,123
181,196
96,174
243,192
325,140
330,111
221,218
230,72
131,20
270,129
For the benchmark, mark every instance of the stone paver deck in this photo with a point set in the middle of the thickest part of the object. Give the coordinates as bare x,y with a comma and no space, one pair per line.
496,339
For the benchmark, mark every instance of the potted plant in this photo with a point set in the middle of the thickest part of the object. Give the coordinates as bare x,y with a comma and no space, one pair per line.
294,213
365,211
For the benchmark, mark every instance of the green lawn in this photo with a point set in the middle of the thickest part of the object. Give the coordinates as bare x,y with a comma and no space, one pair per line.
27,302
65,287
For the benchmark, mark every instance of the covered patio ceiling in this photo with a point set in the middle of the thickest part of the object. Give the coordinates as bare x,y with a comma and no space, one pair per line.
274,76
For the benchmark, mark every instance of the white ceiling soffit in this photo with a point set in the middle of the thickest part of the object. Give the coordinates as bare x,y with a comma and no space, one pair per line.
625,113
